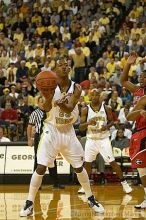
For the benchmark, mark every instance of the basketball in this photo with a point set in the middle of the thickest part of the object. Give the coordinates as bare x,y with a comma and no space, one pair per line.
46,80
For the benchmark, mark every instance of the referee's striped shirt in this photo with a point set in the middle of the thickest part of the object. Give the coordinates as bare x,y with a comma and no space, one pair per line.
36,118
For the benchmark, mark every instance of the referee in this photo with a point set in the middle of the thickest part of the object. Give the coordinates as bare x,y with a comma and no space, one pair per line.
36,120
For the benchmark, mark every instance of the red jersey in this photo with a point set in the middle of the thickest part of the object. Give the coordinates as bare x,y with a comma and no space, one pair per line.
138,144
141,123
138,94
137,149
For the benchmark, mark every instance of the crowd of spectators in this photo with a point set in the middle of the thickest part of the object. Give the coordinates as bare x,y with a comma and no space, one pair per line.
33,34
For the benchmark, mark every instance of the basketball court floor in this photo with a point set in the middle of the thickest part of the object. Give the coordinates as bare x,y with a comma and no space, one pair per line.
66,204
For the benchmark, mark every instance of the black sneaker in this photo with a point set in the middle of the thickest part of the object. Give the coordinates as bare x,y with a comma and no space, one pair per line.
97,207
27,210
141,205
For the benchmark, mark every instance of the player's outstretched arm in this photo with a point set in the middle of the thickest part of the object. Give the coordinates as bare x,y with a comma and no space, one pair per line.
68,103
124,76
138,110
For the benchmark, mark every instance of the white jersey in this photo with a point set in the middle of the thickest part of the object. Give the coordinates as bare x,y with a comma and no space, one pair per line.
93,131
58,117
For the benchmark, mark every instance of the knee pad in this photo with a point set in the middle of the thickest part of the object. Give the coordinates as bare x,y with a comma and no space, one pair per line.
78,170
40,170
142,171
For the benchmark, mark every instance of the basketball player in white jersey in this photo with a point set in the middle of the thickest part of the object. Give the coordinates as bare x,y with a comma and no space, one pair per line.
58,136
97,118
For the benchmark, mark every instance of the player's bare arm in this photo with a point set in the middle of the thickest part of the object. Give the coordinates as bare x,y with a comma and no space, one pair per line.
47,102
83,121
109,117
124,76
29,134
138,110
68,104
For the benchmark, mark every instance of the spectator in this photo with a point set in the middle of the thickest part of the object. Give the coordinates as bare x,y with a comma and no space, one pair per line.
9,117
11,74
29,53
2,78
93,73
18,35
125,96
4,59
39,52
31,62
6,42
6,98
86,52
123,114
13,56
120,141
79,65
22,71
100,66
46,67
127,132
115,102
13,92
2,137
111,66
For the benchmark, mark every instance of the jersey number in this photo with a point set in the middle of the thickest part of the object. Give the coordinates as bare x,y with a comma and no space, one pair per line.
63,114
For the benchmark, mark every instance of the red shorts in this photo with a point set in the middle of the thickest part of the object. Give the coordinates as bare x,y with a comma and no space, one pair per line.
137,149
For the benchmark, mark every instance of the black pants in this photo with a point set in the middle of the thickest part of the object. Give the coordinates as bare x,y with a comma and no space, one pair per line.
52,171
80,74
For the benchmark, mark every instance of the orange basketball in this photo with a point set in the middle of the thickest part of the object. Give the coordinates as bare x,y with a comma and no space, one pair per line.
46,80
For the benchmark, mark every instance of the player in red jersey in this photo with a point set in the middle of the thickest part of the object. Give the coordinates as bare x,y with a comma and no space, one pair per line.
137,90
138,143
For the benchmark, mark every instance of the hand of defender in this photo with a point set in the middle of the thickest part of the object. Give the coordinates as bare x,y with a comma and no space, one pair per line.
30,142
132,58
143,113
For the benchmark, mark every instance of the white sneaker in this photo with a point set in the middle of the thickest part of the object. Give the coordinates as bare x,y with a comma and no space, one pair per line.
81,191
27,209
141,206
97,207
126,187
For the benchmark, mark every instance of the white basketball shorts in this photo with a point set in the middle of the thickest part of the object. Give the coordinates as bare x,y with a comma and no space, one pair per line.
102,146
53,142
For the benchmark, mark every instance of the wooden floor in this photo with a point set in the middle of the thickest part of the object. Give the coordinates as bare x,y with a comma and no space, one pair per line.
67,204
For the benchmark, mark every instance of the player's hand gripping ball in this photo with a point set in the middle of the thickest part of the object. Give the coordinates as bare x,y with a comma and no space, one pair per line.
46,82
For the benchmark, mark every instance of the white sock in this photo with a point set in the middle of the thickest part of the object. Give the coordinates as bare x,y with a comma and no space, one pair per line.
124,182
84,181
35,183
